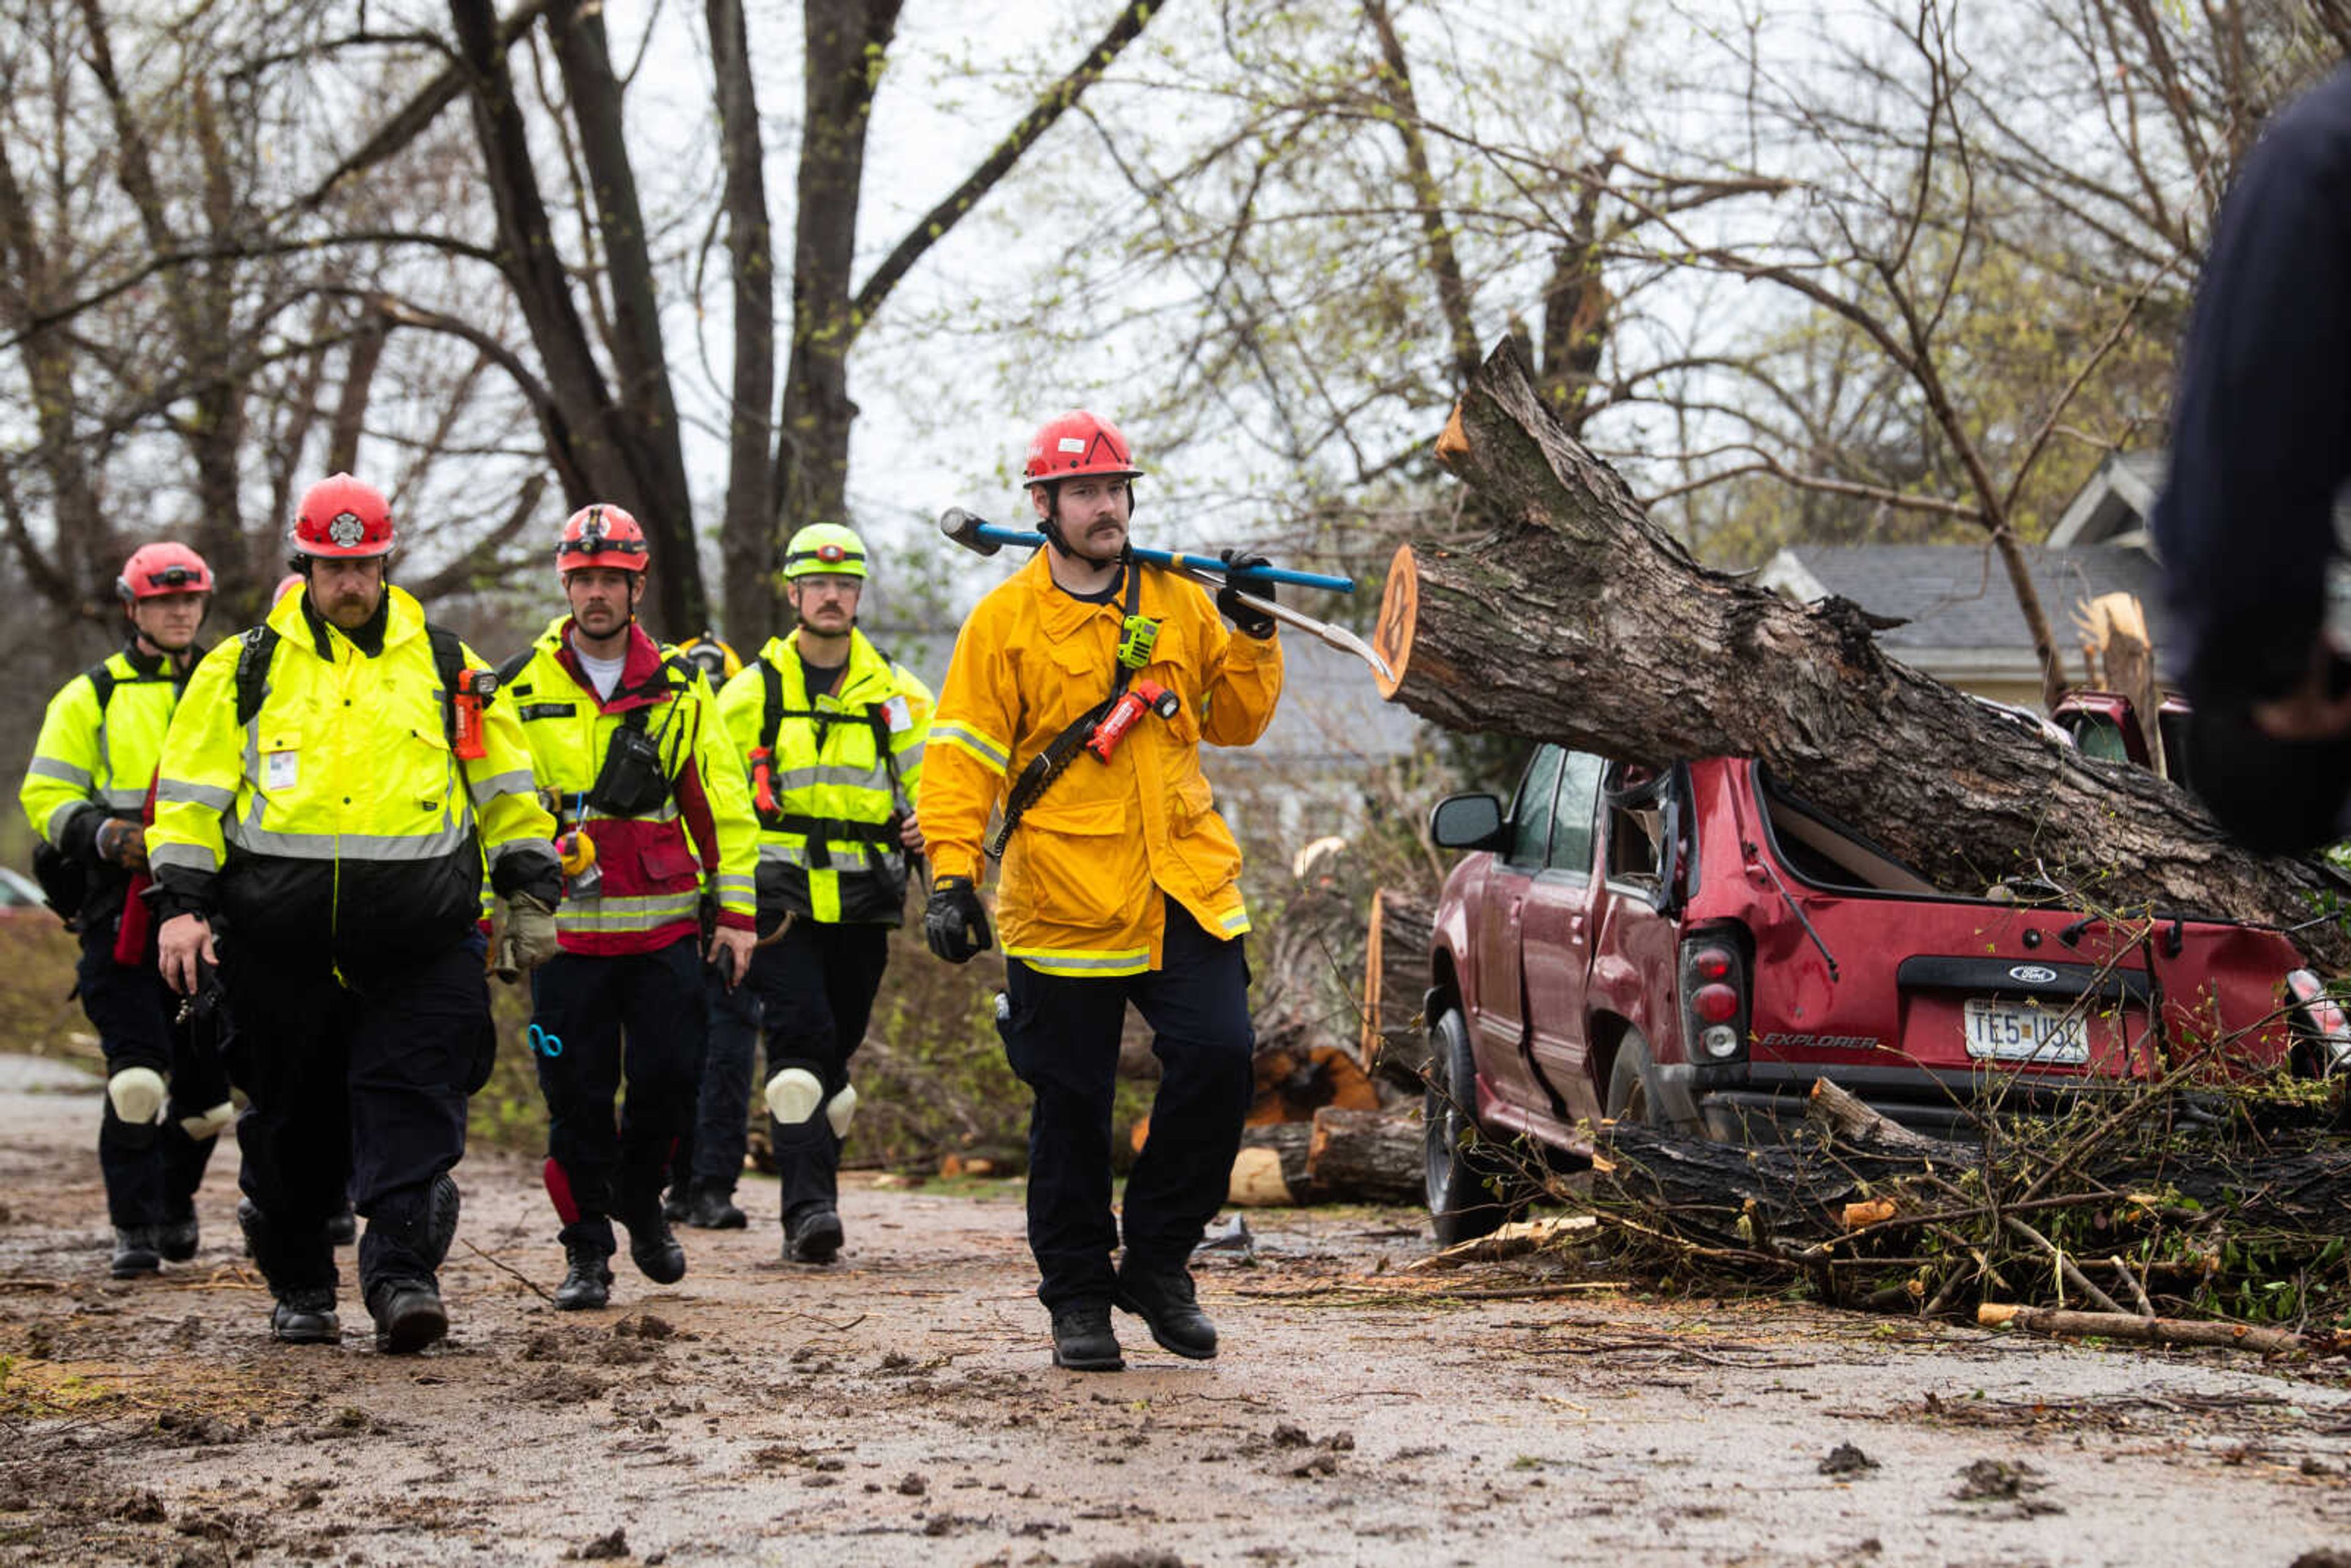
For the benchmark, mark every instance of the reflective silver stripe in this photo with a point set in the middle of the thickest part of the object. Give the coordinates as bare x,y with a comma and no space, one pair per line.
50,767
179,792
783,854
346,846
517,783
130,800
988,751
727,884
624,913
910,758
56,822
521,847
1237,921
1052,963
192,857
666,812
876,778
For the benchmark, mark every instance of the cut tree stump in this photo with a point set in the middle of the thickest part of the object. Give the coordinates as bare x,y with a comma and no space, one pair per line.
1579,621
1271,1169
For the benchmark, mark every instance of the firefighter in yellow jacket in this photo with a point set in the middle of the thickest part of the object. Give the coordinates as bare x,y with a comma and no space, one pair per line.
86,794
627,735
330,788
834,731
1078,697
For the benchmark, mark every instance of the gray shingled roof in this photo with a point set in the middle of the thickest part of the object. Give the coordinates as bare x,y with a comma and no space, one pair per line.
1957,597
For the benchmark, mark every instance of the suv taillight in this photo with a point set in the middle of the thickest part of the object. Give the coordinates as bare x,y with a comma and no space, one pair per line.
1714,997
2321,1019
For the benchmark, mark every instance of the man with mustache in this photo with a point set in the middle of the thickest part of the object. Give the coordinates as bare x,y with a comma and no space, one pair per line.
1120,882
333,786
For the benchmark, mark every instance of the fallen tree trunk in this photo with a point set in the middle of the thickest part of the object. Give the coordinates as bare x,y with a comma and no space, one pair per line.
2143,1330
1580,621
1365,1156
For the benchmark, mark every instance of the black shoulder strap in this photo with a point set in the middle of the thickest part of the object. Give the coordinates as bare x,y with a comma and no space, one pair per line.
771,722
103,680
252,670
1062,749
449,663
515,666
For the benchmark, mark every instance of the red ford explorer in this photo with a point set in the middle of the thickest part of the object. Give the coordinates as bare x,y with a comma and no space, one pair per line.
1694,948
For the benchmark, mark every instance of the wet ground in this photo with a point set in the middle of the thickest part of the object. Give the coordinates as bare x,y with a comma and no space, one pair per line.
899,1408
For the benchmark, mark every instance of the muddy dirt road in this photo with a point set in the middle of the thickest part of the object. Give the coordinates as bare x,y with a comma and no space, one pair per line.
900,1407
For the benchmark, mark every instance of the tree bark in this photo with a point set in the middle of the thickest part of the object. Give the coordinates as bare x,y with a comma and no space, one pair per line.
744,554
1579,621
1394,1045
1365,1156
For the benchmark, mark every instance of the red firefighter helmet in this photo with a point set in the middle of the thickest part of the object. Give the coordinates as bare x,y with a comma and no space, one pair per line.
342,518
1074,444
600,535
156,569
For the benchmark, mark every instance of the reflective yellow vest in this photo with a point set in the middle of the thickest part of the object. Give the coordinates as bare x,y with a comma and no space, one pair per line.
99,756
1086,869
844,768
337,817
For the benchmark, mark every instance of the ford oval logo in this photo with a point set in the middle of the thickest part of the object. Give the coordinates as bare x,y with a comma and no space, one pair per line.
2032,974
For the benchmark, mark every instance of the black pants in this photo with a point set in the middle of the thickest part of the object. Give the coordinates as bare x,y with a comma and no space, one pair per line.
711,1155
152,1170
815,985
1062,1036
595,1020
355,1085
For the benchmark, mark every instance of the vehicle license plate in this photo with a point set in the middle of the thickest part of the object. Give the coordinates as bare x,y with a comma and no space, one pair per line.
2020,1032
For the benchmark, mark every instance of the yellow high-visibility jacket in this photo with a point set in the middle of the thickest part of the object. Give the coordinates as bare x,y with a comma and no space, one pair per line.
1085,869
654,868
338,820
94,761
844,771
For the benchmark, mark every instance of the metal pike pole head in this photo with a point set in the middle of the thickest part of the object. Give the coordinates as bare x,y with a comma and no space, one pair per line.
964,529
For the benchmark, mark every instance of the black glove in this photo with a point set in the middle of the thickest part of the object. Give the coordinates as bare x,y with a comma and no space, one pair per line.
1247,619
954,923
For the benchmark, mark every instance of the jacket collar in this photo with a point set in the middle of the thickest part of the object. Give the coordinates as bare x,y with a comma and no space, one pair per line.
291,619
866,664
642,663
1062,614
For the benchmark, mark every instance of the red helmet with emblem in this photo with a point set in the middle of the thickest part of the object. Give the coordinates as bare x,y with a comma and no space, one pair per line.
600,535
156,569
343,520
1075,443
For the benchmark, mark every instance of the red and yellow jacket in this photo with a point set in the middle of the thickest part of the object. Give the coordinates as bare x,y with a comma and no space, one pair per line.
655,867
1085,869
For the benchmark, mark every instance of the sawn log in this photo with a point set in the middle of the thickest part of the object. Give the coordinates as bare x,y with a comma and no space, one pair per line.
1578,619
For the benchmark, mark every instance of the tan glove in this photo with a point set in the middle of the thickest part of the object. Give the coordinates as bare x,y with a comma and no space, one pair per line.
122,842
527,938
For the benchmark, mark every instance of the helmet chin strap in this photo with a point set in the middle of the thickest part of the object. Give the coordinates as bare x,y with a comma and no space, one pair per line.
1051,526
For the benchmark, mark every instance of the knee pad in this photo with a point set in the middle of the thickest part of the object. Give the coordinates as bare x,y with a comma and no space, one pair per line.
793,1095
137,1094
209,1123
839,1109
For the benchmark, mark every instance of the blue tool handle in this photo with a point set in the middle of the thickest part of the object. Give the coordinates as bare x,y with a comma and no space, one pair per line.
997,534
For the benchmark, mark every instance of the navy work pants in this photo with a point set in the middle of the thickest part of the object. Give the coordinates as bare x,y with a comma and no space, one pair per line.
815,985
1062,1035
596,1020
152,1170
356,1084
712,1155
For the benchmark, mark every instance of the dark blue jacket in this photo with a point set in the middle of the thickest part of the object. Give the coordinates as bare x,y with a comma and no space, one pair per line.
2261,433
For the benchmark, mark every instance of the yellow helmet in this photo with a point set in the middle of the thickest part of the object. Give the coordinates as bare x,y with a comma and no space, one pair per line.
824,547
716,658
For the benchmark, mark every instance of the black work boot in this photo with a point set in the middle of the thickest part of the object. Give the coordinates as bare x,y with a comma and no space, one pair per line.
587,1278
408,1316
710,1209
1163,1298
306,1317
676,1204
135,1252
652,1246
811,1234
176,1240
343,1228
1082,1341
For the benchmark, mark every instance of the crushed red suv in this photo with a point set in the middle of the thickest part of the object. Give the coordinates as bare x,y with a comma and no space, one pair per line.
1694,946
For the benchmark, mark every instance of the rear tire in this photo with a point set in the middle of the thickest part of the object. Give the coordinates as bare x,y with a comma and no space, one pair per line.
1473,1184
1638,1092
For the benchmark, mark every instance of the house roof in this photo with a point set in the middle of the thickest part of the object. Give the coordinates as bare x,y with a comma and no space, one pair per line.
2113,503
1960,616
